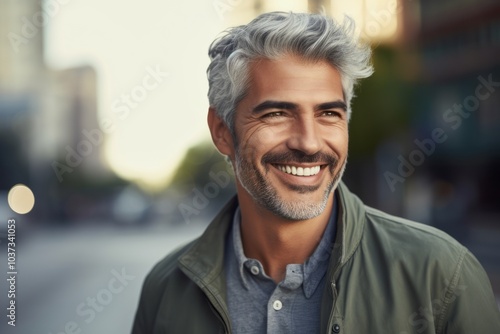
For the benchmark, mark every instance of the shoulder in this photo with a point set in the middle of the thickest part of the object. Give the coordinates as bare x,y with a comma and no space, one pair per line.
433,259
200,255
459,293
408,235
164,275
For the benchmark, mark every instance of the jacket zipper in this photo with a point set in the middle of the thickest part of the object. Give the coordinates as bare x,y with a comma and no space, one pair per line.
334,292
212,300
218,314
334,296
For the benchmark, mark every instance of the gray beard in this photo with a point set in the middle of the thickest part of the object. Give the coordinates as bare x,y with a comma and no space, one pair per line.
265,195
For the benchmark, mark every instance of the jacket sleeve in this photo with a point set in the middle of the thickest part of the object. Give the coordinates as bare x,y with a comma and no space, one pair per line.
140,320
471,305
147,308
153,290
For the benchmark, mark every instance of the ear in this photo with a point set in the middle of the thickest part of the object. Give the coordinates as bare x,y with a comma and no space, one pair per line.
221,135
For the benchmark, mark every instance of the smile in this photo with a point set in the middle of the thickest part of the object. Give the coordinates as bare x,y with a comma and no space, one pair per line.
299,171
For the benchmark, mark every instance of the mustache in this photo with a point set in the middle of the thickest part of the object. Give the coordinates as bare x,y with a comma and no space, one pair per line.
289,157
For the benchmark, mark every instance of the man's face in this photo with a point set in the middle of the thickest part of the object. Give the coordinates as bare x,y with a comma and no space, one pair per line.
291,136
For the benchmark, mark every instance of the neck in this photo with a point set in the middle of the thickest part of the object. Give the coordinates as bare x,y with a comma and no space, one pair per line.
277,242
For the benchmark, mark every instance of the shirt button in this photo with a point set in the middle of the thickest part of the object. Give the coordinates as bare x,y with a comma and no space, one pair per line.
277,305
255,270
336,329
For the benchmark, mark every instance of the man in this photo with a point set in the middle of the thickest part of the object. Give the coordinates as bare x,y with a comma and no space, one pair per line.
295,251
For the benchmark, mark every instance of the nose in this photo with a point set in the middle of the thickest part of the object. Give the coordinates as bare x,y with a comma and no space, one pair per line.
305,136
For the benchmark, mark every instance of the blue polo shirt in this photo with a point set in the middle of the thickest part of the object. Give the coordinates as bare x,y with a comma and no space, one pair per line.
258,305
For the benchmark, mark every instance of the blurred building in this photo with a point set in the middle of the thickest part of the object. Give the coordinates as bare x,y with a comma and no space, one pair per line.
376,19
454,49
47,117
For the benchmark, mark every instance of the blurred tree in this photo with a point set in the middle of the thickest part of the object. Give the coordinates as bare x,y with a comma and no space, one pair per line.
194,170
384,104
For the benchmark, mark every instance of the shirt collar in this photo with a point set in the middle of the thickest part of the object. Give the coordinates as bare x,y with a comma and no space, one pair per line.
313,269
238,247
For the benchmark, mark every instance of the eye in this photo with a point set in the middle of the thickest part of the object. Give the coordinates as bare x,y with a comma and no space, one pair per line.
273,114
331,113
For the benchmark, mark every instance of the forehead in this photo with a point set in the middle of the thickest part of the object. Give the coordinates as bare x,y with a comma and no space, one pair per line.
292,75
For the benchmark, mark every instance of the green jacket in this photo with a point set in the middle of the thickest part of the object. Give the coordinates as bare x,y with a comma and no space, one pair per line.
387,275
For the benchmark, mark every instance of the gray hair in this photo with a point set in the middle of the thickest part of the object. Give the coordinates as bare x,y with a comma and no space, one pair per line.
314,37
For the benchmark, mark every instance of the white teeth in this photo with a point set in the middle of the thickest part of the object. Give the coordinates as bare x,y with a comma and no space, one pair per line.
300,171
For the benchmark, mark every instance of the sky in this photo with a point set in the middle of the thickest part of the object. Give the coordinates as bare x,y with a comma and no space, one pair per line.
151,60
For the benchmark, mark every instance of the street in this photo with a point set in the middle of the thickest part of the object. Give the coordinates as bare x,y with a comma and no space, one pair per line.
84,279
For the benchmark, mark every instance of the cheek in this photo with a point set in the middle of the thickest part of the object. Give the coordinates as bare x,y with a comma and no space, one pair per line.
344,143
338,140
265,136
258,141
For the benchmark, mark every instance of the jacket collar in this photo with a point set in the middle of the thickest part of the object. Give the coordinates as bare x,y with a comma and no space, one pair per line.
203,262
350,226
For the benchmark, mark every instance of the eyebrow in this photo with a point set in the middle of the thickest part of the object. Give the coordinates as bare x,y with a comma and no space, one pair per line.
274,105
332,105
293,106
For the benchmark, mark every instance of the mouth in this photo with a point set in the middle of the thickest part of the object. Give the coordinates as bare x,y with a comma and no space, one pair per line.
299,170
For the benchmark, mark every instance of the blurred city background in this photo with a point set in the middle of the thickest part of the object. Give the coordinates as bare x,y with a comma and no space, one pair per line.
103,116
